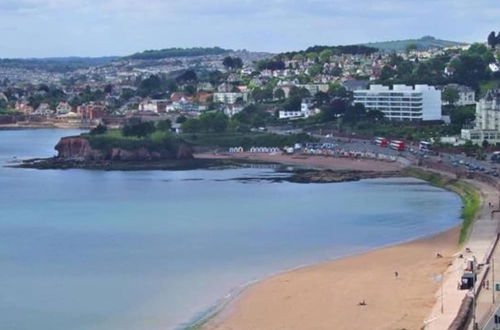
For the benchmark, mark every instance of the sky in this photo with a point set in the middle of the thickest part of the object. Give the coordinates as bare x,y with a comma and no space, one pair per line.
53,28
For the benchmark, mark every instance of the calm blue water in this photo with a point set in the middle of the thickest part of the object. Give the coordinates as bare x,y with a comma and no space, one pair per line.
150,250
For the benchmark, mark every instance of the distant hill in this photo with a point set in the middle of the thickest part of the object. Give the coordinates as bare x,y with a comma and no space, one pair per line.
55,64
177,52
423,43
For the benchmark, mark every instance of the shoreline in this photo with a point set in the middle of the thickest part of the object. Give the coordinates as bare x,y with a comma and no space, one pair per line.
254,302
44,125
301,169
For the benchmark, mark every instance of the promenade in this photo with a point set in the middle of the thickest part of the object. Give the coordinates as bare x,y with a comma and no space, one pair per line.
480,242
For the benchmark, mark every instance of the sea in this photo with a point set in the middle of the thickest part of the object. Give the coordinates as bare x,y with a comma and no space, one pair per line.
158,250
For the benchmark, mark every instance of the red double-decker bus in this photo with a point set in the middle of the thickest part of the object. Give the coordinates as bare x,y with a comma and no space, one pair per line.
398,145
380,141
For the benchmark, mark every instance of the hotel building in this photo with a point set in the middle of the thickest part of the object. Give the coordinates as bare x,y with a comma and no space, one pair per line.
404,103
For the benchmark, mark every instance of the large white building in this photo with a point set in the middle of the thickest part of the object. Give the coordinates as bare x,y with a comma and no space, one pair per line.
422,102
487,125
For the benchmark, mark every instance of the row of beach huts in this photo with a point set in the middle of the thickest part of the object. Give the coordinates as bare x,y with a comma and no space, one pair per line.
320,149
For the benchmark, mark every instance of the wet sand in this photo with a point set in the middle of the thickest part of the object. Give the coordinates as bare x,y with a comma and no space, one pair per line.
314,161
326,296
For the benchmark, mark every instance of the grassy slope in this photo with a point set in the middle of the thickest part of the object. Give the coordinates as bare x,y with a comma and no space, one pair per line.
470,196
422,44
487,85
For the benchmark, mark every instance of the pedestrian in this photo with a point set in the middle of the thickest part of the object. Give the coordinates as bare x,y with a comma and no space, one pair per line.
396,274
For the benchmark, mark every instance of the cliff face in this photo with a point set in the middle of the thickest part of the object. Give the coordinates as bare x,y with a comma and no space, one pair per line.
79,149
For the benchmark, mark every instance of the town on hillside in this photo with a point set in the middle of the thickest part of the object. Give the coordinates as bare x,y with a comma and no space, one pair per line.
449,91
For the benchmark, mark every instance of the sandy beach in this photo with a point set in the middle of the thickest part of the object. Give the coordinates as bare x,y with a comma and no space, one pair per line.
314,161
326,296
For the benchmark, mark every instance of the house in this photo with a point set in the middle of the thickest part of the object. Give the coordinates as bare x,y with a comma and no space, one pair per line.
43,110
232,109
92,111
158,105
24,107
449,71
230,97
466,95
354,84
494,67
177,96
206,87
487,125
63,108
315,88
304,112
203,97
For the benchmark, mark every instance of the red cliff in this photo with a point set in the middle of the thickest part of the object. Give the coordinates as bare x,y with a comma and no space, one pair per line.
79,149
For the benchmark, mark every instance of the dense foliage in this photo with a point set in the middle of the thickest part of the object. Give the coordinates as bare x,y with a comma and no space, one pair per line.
156,141
177,52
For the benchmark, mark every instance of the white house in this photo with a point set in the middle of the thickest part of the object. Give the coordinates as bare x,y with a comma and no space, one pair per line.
405,103
487,125
230,97
466,95
494,67
305,111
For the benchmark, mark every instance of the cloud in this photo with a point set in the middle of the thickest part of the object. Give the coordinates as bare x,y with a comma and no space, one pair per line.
100,27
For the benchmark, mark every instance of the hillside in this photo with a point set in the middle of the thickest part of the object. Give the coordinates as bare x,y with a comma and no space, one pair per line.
55,64
423,43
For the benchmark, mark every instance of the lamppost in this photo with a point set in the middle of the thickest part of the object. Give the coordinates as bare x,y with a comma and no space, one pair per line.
439,278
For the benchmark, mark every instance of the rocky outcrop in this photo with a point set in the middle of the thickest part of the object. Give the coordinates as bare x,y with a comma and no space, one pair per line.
79,149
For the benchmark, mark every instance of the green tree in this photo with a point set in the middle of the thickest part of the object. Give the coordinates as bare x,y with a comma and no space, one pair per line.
461,116
450,95
138,129
492,39
279,94
355,113
190,90
299,92
325,55
336,107
232,62
375,115
164,125
293,103
411,47
181,119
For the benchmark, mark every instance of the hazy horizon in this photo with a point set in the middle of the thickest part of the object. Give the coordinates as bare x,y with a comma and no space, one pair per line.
66,28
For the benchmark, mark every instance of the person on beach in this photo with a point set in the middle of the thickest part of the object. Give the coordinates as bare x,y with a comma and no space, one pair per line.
396,274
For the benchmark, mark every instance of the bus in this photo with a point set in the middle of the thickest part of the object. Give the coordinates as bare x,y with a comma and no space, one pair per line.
381,142
398,145
425,146
495,157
